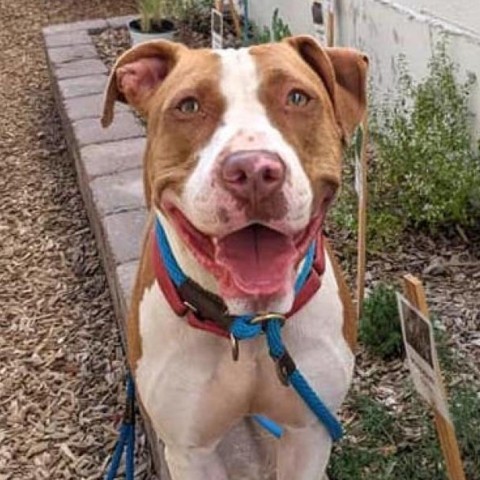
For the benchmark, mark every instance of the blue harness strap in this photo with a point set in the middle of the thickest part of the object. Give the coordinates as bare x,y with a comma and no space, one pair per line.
126,440
243,328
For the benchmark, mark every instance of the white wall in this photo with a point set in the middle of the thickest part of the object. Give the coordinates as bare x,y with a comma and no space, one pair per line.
384,29
463,13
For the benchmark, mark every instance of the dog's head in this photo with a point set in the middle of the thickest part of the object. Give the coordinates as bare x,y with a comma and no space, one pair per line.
244,151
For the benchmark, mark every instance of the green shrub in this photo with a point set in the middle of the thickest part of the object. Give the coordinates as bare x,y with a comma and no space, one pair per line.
425,171
380,329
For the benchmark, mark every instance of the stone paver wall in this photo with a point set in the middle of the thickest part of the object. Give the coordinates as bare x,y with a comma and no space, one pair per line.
108,161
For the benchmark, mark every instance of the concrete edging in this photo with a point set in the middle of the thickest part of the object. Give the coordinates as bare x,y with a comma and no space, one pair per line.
108,162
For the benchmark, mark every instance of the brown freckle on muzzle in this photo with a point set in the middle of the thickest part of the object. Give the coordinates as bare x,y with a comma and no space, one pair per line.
223,215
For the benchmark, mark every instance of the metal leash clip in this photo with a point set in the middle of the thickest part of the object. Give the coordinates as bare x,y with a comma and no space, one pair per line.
266,316
235,347
285,366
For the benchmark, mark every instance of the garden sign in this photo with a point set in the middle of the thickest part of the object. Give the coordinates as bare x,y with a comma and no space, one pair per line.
217,28
425,370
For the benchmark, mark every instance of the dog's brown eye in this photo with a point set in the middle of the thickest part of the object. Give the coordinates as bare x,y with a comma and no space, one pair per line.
297,98
189,106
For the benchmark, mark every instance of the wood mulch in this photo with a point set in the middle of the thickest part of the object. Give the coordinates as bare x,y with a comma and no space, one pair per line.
61,364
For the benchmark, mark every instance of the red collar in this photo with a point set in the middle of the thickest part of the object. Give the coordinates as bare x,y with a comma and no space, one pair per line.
201,301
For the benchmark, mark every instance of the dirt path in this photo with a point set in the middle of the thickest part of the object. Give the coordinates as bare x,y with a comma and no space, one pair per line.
61,366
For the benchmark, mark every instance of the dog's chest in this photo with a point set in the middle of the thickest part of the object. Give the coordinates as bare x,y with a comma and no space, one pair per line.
187,378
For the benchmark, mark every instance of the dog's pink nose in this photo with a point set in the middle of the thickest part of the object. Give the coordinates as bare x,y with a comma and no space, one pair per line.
253,174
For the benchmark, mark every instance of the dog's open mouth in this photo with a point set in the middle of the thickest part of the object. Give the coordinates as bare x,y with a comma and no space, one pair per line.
255,260
258,259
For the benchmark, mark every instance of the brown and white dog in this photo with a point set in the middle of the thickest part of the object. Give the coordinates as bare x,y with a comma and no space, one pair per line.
243,159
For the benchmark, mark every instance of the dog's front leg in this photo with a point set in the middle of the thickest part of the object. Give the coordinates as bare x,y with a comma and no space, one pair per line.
194,463
303,453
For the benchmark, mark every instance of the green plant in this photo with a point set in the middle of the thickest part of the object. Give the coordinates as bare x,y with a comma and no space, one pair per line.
195,14
425,170
152,12
149,11
375,447
399,443
278,30
425,149
380,329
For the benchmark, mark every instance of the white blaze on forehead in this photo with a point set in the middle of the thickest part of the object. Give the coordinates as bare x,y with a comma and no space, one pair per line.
240,84
244,115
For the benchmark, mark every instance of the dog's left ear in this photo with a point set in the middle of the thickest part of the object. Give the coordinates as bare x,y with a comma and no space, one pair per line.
344,74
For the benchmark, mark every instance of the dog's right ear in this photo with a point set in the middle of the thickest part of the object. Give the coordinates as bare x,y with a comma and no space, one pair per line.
137,74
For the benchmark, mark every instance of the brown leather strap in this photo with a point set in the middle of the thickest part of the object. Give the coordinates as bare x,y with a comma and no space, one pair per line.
204,304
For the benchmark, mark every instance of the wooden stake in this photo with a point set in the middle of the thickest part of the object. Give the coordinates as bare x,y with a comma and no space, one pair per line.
362,219
445,430
330,28
362,203
236,19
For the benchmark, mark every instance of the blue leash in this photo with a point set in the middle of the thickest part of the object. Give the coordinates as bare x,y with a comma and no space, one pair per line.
126,440
242,328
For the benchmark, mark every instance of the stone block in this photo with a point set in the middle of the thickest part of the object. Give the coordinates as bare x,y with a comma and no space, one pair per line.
88,131
124,235
107,158
90,106
61,55
68,38
80,68
119,192
82,86
88,25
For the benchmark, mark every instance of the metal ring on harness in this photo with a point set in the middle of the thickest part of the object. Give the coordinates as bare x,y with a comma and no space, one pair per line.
265,317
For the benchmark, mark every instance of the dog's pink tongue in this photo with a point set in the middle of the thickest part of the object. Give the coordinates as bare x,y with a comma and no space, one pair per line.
260,261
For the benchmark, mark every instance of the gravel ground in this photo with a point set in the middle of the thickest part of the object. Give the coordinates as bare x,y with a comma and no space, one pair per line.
61,365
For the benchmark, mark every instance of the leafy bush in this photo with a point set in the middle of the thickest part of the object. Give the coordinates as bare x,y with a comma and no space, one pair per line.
425,172
380,329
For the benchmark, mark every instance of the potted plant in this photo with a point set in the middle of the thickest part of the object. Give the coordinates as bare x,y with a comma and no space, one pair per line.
155,21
